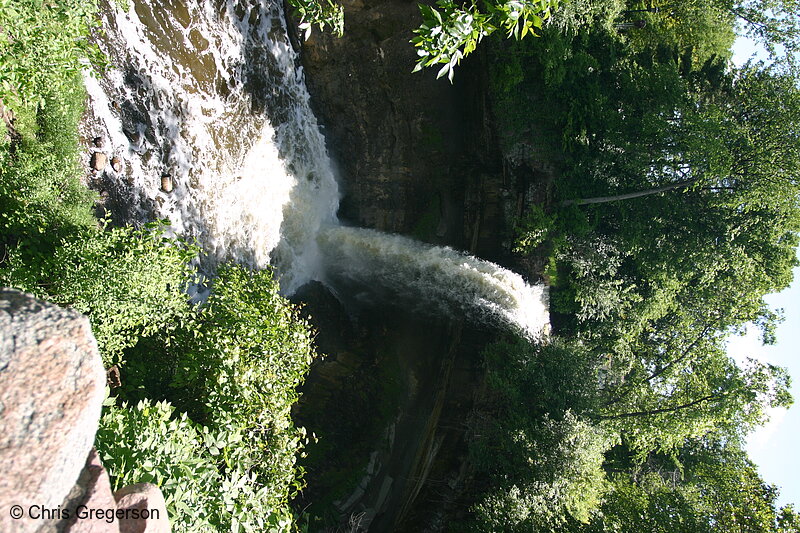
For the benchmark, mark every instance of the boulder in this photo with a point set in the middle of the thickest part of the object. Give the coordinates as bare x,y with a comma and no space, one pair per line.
51,391
144,507
92,491
99,161
166,183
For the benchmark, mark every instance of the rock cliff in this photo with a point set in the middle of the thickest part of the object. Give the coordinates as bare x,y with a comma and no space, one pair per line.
410,149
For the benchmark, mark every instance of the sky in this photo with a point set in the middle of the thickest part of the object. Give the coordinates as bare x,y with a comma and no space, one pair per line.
774,447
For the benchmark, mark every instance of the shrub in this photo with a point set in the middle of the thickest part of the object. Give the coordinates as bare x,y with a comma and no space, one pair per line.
232,366
144,444
206,487
131,283
238,366
41,196
42,46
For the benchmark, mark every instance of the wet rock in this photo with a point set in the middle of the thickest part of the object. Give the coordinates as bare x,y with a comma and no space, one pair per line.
167,183
113,378
145,501
99,161
133,137
99,142
51,390
394,135
116,164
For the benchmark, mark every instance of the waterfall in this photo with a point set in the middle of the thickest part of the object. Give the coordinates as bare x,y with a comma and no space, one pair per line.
208,96
433,279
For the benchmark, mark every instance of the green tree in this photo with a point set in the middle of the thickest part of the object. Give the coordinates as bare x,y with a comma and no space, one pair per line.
710,487
450,31
539,453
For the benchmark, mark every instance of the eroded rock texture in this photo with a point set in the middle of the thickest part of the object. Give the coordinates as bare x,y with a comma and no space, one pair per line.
51,392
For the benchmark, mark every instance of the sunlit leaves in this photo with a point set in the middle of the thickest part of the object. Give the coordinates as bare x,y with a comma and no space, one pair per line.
450,32
42,44
325,14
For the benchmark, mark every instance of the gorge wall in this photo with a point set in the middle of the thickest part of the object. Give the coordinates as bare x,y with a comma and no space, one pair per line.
418,156
415,154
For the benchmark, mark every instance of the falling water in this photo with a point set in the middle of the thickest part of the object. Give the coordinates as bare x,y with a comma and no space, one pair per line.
433,279
208,95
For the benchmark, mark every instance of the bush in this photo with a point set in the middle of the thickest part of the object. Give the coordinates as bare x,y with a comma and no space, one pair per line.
205,487
41,196
42,47
233,366
144,444
238,366
131,283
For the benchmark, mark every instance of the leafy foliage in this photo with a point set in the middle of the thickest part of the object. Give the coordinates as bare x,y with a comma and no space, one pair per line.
542,456
674,213
233,365
451,32
708,487
129,282
145,444
41,197
206,485
555,474
325,14
42,47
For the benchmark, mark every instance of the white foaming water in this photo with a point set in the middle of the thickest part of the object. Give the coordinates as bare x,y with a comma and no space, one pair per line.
209,93
440,279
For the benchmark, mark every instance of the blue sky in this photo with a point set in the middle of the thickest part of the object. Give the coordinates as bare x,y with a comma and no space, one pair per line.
774,447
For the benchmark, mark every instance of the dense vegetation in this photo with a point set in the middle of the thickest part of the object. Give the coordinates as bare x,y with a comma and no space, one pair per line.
203,409
674,212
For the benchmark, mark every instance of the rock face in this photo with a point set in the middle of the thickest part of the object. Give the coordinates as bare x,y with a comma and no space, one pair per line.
404,143
51,392
92,491
99,161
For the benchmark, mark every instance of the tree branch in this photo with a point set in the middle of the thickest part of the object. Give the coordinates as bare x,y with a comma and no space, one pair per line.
628,196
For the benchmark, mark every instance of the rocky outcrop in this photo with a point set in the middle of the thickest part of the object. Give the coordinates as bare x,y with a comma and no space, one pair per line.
404,143
98,161
52,385
141,500
92,491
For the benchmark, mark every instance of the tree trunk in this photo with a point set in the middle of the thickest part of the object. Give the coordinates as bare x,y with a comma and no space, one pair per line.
704,399
629,195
